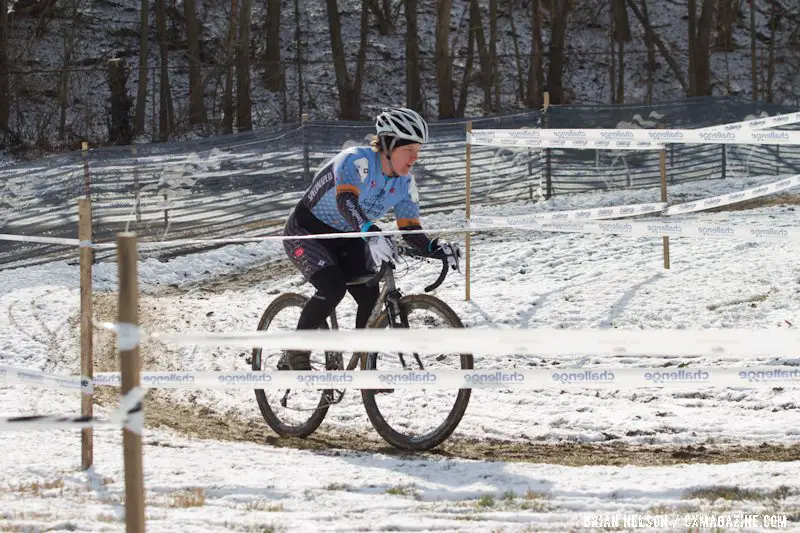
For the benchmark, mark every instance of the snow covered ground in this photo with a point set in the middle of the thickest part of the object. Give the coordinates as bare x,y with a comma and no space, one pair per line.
519,280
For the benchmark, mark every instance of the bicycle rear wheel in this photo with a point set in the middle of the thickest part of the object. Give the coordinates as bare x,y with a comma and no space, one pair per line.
416,418
289,412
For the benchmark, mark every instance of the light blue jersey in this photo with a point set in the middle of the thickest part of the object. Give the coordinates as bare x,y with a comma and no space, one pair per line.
351,191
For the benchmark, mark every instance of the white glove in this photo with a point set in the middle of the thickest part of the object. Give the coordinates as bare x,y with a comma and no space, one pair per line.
448,250
382,249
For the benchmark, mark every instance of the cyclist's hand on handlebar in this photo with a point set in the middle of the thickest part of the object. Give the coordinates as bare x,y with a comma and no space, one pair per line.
443,249
382,249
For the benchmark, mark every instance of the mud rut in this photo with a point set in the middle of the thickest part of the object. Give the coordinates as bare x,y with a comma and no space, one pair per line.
202,423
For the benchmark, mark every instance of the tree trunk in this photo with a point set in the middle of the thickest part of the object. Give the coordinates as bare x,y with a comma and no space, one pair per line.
673,65
349,90
692,20
197,108
227,98
773,22
702,50
274,75
298,55
622,35
4,84
464,89
144,39
651,52
382,12
165,120
68,43
726,16
493,52
444,67
484,55
244,121
753,62
535,70
517,55
413,81
120,131
555,75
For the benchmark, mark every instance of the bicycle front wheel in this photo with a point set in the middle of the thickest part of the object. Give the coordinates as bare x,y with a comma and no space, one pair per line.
417,418
289,412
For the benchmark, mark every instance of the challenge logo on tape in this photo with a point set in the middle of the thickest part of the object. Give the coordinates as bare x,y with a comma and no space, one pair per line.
677,376
770,375
587,376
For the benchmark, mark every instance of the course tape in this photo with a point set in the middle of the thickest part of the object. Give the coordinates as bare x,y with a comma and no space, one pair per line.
758,124
734,197
540,342
630,378
45,381
128,414
647,228
631,139
598,213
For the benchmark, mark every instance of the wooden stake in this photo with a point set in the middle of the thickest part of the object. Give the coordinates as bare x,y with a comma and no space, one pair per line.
87,363
467,212
129,367
87,180
662,156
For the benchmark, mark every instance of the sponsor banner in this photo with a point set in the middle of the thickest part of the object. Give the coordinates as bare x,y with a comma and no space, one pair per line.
734,197
757,124
745,344
648,228
598,213
632,139
514,378
45,381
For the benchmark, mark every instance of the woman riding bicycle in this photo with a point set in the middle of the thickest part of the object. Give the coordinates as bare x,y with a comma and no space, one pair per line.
356,187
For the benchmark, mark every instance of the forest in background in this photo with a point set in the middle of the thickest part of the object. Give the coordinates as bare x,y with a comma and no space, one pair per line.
122,71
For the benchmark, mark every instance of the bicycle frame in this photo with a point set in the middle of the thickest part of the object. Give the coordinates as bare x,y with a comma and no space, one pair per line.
389,298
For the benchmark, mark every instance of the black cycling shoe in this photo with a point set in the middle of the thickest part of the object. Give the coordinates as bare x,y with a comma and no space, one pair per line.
298,360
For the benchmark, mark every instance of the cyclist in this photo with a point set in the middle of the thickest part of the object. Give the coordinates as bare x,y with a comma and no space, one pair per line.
356,187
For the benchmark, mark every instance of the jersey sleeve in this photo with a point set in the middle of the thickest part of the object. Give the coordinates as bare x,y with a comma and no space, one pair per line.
406,213
347,180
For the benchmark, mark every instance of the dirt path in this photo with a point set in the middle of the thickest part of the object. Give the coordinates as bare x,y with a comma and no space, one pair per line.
162,411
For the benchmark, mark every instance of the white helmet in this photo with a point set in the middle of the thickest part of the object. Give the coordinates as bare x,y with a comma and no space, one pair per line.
402,123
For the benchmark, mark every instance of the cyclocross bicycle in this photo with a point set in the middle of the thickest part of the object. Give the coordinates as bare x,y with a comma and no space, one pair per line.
408,418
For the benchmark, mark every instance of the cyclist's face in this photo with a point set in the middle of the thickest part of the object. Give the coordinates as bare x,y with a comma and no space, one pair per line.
403,158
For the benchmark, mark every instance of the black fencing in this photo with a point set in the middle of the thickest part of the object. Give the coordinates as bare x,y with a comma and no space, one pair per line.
245,184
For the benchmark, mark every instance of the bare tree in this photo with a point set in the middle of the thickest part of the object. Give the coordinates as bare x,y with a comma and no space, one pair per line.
464,88
484,55
444,68
493,52
413,81
383,13
555,76
227,98
651,52
5,94
517,56
726,16
298,56
753,62
68,38
349,89
274,78
622,35
699,49
144,40
244,121
197,108
773,22
536,69
665,53
166,119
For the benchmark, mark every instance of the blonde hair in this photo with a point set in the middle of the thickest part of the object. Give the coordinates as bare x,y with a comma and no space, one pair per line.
375,143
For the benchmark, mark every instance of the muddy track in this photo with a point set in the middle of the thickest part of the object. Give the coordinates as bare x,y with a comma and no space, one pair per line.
162,411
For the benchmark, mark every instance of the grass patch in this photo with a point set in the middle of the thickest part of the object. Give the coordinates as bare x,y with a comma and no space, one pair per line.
263,505
186,498
403,490
535,501
338,486
737,493
487,500
106,518
36,488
